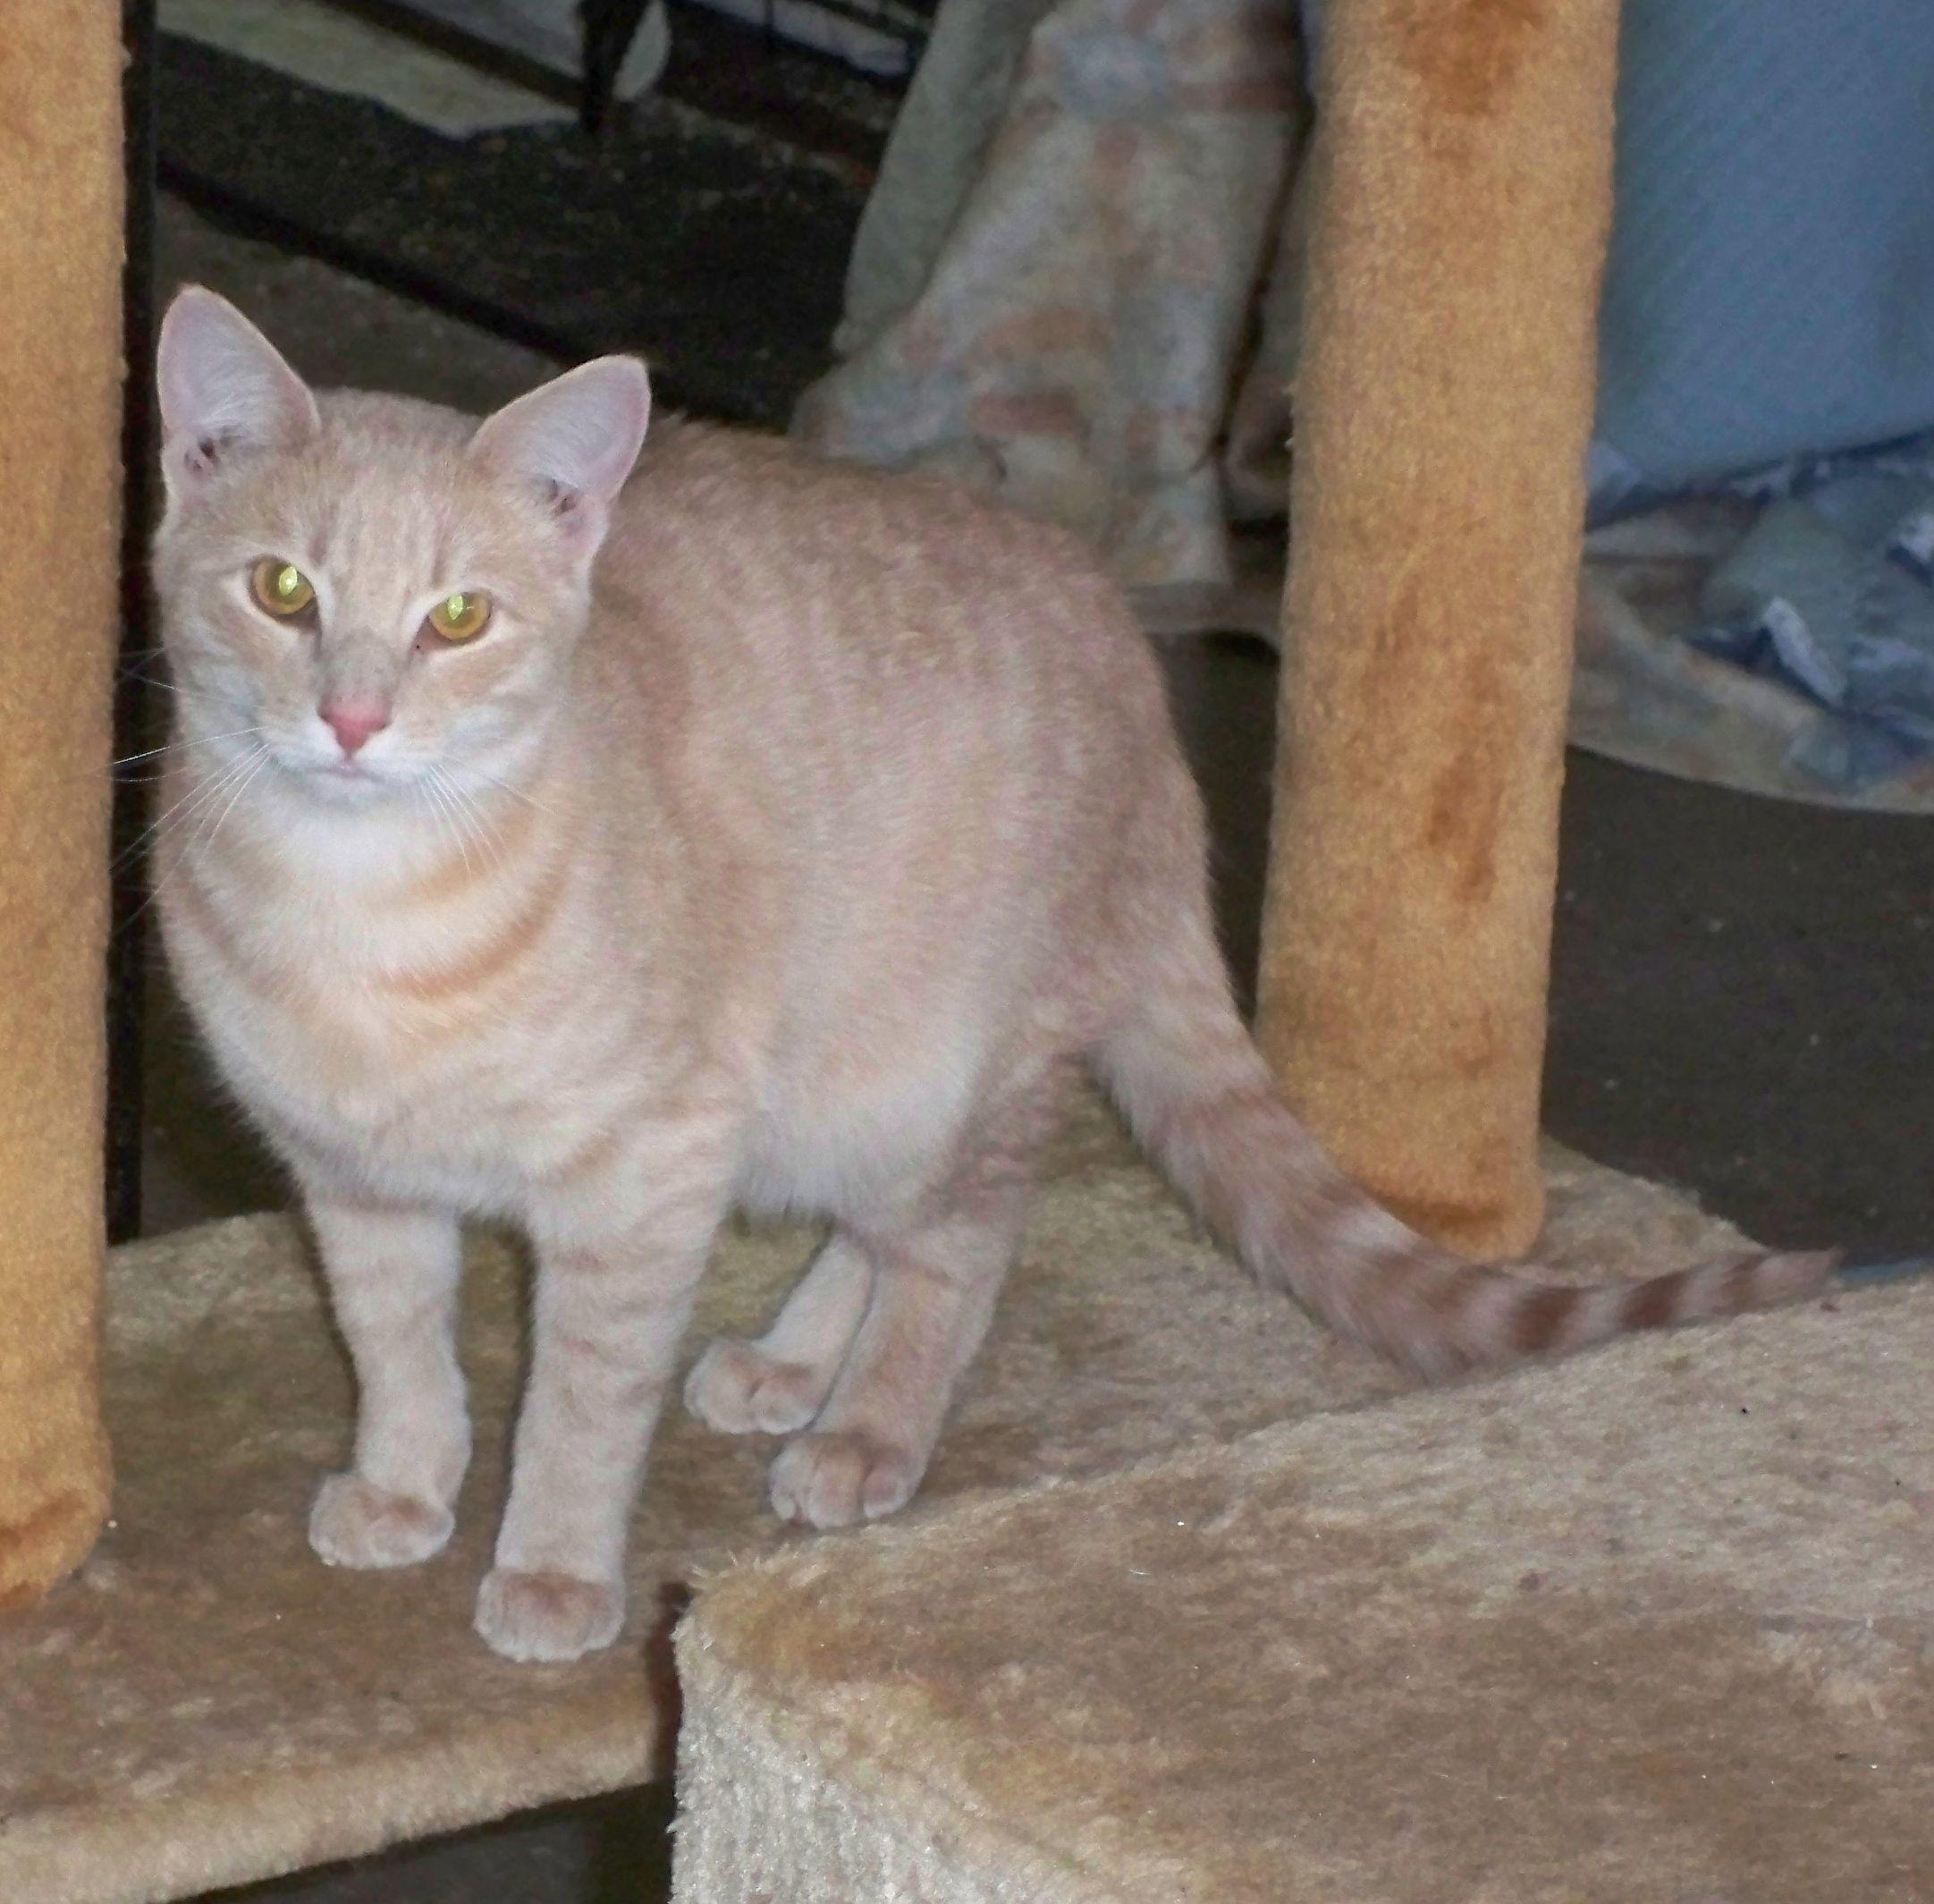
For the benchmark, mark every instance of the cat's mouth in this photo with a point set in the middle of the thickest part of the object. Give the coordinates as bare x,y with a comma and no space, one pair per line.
350,782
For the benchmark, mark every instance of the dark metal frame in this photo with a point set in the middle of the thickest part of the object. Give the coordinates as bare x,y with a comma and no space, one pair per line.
126,961
609,27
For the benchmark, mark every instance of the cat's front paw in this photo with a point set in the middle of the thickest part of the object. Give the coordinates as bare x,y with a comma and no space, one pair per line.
548,1616
738,1389
354,1523
839,1480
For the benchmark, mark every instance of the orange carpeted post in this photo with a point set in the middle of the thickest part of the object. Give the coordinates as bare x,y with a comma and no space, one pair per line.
60,488
1443,405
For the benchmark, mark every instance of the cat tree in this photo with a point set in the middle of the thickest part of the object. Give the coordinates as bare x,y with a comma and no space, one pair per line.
202,1703
60,399
1587,1632
1443,405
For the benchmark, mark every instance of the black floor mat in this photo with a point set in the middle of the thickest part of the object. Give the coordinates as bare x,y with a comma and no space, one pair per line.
716,250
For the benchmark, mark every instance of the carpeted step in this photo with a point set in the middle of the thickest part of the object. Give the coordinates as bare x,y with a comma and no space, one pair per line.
206,1704
1658,1623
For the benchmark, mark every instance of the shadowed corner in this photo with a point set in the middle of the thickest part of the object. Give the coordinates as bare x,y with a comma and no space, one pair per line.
661,1669
1871,1276
44,1545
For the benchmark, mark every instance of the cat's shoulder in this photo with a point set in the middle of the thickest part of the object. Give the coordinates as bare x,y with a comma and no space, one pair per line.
695,465
696,474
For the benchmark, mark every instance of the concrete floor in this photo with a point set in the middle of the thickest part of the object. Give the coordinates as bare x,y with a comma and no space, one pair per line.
1738,1001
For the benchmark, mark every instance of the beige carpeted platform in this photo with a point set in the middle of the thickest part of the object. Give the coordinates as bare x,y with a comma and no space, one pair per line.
1658,1624
207,1704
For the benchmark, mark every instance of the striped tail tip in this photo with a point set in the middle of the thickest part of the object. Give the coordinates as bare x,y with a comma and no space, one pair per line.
1791,1276
1769,1281
1534,1320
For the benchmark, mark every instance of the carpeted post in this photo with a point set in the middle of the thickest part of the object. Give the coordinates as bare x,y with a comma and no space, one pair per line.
1443,405
60,380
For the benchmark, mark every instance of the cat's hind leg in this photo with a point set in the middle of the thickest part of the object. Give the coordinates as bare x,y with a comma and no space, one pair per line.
780,1382
937,1270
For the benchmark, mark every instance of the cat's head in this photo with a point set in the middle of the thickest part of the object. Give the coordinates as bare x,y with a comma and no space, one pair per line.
372,588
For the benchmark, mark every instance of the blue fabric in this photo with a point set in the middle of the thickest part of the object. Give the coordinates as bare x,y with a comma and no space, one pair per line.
1832,592
1768,309
1770,283
1769,289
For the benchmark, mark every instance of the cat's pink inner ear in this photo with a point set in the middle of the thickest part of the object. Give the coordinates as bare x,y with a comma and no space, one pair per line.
579,434
222,382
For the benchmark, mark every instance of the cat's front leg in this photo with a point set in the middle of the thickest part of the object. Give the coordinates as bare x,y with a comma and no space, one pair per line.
613,1296
393,1276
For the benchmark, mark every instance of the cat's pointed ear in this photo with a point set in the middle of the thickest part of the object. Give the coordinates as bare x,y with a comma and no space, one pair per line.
574,440
223,386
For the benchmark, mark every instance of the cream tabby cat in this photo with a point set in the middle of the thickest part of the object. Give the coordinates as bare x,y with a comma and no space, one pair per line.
605,853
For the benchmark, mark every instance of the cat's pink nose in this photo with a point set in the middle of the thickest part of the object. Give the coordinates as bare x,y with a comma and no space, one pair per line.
352,721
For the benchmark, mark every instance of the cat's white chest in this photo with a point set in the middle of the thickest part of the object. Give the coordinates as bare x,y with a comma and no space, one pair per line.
355,1078
422,1098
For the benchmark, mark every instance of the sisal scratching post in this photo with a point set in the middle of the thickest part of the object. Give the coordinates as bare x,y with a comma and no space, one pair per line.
1443,405
60,380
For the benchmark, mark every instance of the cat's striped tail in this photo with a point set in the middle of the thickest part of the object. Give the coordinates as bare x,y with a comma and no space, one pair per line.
1200,1098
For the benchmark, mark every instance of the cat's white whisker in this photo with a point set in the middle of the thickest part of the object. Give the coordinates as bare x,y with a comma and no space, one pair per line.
176,745
421,791
133,661
204,796
203,846
488,838
517,793
178,688
466,820
208,787
236,775
448,818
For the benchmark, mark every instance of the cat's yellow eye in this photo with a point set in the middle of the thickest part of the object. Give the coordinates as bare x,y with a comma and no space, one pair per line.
281,587
461,617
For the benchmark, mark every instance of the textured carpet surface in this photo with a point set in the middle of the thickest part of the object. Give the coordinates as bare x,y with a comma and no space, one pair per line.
207,1704
1654,1624
60,486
